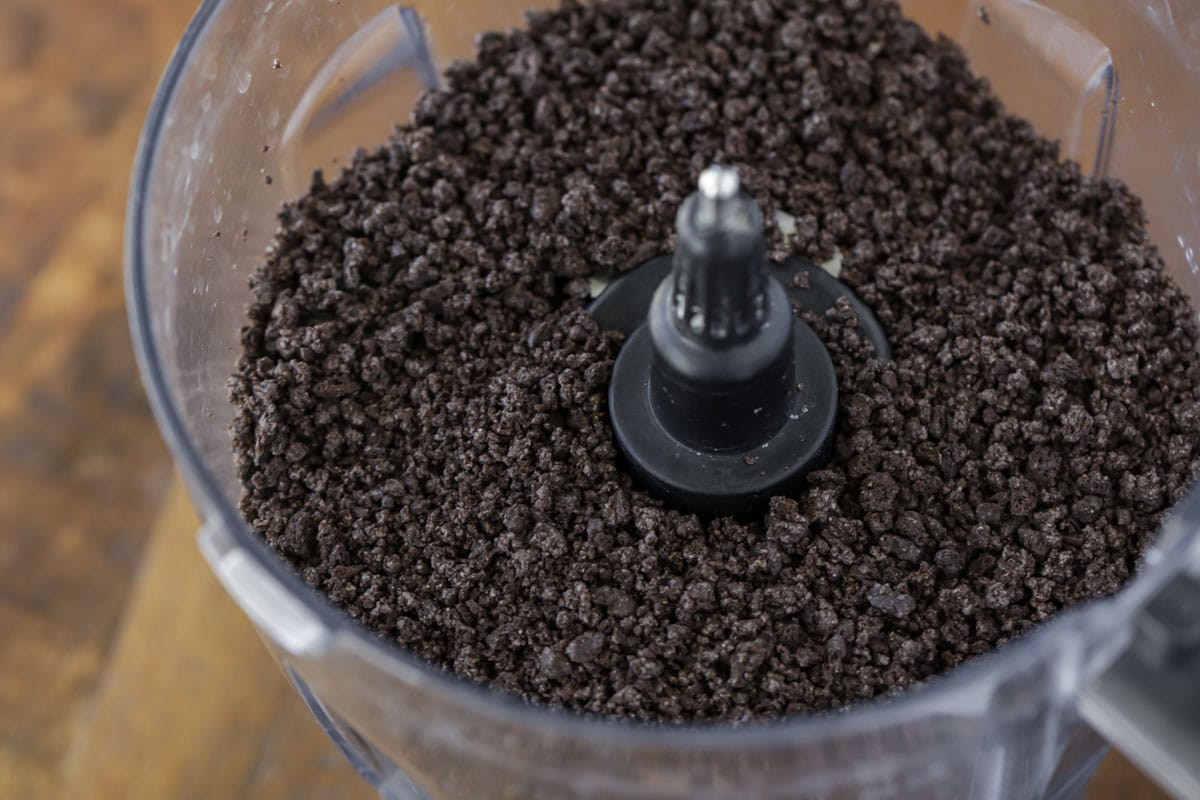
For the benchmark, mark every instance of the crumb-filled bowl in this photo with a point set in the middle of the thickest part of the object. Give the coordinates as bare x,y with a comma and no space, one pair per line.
261,93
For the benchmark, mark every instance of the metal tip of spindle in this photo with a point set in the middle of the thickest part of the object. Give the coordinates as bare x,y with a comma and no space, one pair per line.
720,183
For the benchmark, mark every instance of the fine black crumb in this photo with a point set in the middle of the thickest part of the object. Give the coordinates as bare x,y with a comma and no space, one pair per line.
422,430
984,16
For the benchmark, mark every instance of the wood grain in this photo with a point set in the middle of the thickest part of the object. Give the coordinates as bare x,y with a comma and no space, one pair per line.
90,667
124,670
81,468
189,682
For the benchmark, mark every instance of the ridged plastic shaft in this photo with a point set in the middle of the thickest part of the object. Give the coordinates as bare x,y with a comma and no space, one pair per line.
720,325
719,278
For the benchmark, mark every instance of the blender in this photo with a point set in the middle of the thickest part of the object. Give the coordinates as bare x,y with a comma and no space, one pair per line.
262,92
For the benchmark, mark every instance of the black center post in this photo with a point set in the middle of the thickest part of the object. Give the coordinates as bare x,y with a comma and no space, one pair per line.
722,398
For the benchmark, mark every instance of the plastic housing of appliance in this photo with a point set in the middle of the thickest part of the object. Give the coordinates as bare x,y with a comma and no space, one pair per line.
261,92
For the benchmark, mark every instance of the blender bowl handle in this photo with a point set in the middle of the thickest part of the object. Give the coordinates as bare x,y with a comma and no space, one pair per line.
1146,701
274,610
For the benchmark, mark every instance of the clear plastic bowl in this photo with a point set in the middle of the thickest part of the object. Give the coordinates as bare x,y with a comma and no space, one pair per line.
261,92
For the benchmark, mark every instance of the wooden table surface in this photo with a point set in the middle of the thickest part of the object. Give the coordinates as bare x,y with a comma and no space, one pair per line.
125,672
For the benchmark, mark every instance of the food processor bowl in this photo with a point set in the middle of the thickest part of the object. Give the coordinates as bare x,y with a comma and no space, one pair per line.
262,92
